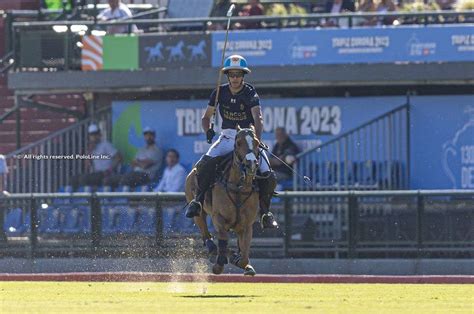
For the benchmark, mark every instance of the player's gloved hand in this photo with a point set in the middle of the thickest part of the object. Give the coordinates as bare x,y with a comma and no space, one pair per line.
210,135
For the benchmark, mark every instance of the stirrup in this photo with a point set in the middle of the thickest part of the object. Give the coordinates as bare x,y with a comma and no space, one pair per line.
194,209
267,221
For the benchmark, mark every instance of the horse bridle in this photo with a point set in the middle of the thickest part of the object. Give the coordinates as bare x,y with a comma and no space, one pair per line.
240,162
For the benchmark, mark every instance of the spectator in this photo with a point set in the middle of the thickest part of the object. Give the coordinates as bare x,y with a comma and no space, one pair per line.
286,150
367,6
384,7
145,166
57,4
464,5
117,11
277,9
337,7
340,6
220,9
446,4
254,8
296,9
3,174
174,175
105,159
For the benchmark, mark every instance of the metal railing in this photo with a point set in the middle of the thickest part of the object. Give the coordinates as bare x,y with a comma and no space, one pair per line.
331,224
6,62
423,18
373,156
46,165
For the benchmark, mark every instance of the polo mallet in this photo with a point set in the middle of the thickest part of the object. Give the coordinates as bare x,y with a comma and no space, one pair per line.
306,179
210,133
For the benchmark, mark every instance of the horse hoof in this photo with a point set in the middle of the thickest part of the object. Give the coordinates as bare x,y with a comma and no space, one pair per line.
249,271
217,269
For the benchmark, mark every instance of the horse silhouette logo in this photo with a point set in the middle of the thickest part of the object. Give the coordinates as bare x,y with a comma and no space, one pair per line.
197,51
458,154
176,52
154,53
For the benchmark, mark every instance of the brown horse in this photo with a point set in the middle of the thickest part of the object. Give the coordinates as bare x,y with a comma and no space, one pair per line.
233,204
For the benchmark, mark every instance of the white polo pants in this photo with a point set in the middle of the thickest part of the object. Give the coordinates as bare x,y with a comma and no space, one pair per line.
225,144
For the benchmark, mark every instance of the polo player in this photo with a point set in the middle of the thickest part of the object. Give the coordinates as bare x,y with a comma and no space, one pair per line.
239,104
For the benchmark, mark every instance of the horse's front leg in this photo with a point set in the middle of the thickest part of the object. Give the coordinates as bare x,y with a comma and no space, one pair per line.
223,240
242,260
201,222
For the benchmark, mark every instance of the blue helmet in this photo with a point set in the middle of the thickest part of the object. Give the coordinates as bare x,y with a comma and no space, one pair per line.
235,62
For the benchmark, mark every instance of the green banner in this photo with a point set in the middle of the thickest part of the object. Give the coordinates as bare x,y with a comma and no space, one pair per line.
120,52
123,132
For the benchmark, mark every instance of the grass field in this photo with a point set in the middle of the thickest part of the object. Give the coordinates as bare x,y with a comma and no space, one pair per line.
150,297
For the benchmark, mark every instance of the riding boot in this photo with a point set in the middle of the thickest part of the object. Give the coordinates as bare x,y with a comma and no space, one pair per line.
205,172
266,189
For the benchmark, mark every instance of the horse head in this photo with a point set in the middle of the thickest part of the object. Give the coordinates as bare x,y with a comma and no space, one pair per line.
246,151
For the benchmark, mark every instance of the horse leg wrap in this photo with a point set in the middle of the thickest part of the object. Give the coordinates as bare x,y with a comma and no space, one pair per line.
223,246
235,259
211,246
211,250
222,258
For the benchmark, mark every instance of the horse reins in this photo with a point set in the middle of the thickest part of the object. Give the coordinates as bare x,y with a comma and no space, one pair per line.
237,202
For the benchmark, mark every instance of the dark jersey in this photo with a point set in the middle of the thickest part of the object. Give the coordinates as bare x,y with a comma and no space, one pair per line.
236,109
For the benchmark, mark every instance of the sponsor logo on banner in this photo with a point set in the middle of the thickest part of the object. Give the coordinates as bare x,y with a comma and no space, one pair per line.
343,46
299,51
416,47
175,51
463,42
458,155
247,48
361,44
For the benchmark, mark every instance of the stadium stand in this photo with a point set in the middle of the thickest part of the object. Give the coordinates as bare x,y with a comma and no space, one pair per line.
35,123
327,219
19,5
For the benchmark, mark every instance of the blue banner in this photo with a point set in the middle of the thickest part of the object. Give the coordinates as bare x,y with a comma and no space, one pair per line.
441,132
356,45
442,142
309,121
